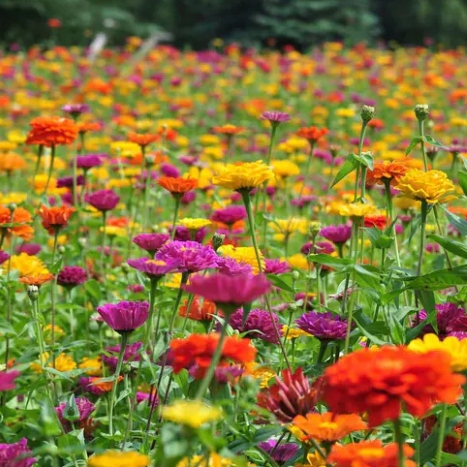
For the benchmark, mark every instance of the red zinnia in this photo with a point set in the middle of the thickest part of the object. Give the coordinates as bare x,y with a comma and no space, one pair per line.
375,221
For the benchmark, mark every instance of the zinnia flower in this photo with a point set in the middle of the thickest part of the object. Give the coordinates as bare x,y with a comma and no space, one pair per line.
26,265
130,354
385,381
228,129
103,200
7,380
243,177
198,311
154,269
432,186
229,292
3,256
96,386
338,234
151,242
289,396
52,131
193,414
124,316
178,186
143,140
75,110
85,409
71,276
328,427
324,326
312,133
357,210
195,352
16,454
257,325
15,223
275,117
281,453
387,172
55,218
450,319
119,459
369,454
229,215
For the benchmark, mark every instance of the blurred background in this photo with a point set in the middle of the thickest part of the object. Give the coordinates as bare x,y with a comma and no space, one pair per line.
273,23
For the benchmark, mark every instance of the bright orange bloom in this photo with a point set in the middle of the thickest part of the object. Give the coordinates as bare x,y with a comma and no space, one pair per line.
375,221
52,131
196,351
369,454
228,129
197,311
103,386
10,162
84,127
143,140
178,185
37,280
387,171
385,381
55,218
312,133
328,427
16,224
54,23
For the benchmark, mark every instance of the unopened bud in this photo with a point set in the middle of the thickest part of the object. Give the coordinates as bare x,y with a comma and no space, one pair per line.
33,292
125,267
61,249
149,160
422,111
334,150
82,241
217,241
432,152
295,275
314,228
367,113
12,206
126,368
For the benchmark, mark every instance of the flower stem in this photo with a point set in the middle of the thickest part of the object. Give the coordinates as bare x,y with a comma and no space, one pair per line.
400,442
123,343
149,323
104,215
52,297
442,429
175,218
421,131
440,233
360,149
424,213
51,167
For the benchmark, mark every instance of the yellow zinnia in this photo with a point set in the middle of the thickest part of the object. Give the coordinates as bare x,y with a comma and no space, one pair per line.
243,255
191,413
456,348
357,209
213,460
291,225
432,186
63,362
119,459
243,177
194,224
285,168
26,265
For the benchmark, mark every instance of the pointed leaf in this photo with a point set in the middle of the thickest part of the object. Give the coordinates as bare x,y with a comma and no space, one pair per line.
347,167
453,246
462,176
415,142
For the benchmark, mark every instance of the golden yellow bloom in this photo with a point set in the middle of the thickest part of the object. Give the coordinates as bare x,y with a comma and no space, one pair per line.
432,186
243,255
173,281
215,460
16,198
263,373
47,330
91,365
40,183
26,265
456,348
357,209
314,460
405,203
114,231
291,225
210,140
119,459
191,413
298,261
243,177
125,148
293,333
6,146
285,168
194,224
15,136
63,362
345,113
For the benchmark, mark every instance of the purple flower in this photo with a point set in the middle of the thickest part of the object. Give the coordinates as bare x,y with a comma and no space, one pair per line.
229,215
223,375
71,276
190,256
169,170
280,453
75,109
432,248
231,267
275,266
124,316
7,380
303,201
154,269
188,198
16,454
325,248
131,354
324,326
301,296
275,117
258,325
85,409
30,249
67,182
450,318
135,288
3,256
182,234
151,242
146,396
103,200
338,234
88,161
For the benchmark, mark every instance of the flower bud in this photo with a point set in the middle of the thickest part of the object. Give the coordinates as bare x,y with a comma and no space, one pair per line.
314,228
33,292
82,241
432,152
126,368
367,113
422,111
295,275
71,411
125,267
217,241
12,207
61,249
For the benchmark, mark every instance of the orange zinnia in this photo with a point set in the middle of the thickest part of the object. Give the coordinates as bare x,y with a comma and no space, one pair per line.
178,185
143,140
369,454
197,311
16,223
385,381
52,131
10,161
84,127
55,218
196,351
328,427
387,172
312,133
37,280
228,129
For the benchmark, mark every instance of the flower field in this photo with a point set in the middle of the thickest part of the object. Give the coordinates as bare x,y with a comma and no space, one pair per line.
233,258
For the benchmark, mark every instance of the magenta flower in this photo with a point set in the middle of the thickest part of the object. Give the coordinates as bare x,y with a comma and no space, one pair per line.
275,117
190,256
30,249
152,268
325,248
146,396
229,215
324,326
151,242
169,170
231,267
75,110
450,318
85,409
7,380
182,234
275,266
3,256
338,234
124,316
130,354
16,454
68,182
103,200
229,292
257,325
88,161
281,453
71,276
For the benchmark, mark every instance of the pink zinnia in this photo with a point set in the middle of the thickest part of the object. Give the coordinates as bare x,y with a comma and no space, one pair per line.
124,316
16,454
229,292
7,380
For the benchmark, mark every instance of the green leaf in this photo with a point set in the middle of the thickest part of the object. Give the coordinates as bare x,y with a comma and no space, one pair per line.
433,142
347,167
93,288
379,239
462,176
280,283
453,246
55,268
428,448
438,280
459,223
49,420
366,159
363,323
328,260
415,142
246,312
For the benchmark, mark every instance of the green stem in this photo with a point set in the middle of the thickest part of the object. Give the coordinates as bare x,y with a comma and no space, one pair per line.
52,297
421,131
49,175
417,442
40,152
104,216
323,344
361,140
424,213
149,322
400,442
440,233
123,343
442,429
175,218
